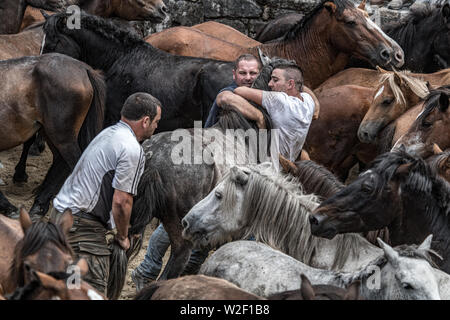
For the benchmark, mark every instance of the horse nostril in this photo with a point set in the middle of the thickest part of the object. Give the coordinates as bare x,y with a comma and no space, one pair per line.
184,224
385,54
313,220
399,56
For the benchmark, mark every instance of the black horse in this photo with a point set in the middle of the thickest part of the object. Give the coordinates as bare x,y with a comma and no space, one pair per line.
185,86
401,192
424,36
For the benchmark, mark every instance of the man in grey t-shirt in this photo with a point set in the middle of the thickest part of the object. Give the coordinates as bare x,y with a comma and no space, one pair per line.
101,187
290,104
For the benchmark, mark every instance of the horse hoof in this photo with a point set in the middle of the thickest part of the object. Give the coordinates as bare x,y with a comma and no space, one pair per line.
36,150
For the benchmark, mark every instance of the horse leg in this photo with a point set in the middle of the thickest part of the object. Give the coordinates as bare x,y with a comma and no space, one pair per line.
6,207
38,146
180,249
20,174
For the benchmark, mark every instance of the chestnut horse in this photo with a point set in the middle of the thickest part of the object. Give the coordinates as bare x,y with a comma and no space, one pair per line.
27,246
12,13
397,92
63,98
320,44
226,33
432,126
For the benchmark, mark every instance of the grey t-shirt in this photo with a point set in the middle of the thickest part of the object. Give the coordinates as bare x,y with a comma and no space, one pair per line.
113,160
292,117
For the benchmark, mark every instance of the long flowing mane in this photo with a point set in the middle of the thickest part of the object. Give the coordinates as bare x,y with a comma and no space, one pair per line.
35,238
277,211
417,86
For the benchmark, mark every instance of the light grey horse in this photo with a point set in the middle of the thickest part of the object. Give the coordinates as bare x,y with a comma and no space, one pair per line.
258,201
403,273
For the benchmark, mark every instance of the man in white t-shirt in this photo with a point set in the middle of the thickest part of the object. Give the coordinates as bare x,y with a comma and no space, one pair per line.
290,105
101,187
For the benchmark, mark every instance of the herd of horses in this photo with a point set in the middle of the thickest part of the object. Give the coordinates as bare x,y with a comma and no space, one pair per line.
316,237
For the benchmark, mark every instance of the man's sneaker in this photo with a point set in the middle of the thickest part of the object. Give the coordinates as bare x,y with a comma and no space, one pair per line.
139,280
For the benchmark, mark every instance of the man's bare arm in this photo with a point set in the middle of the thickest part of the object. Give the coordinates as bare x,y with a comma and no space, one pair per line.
241,104
122,205
250,94
316,102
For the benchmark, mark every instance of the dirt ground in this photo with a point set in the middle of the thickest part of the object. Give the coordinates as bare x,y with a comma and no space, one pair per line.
22,194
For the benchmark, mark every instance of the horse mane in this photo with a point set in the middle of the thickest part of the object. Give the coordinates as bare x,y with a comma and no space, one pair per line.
317,179
408,251
431,101
147,292
304,24
417,86
277,210
36,236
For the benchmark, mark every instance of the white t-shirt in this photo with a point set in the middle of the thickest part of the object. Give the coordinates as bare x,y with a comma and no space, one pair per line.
113,160
292,117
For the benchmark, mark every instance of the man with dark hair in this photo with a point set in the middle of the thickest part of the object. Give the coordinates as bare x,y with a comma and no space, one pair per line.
290,104
101,187
245,71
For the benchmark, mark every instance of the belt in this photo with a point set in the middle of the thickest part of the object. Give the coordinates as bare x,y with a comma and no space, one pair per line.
86,215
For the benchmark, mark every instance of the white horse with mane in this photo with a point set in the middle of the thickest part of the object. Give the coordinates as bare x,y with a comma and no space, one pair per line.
260,202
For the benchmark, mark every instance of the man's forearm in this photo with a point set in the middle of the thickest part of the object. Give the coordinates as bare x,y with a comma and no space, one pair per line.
250,94
121,214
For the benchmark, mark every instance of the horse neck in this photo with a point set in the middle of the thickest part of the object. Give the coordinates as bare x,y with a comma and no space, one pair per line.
102,8
11,16
312,50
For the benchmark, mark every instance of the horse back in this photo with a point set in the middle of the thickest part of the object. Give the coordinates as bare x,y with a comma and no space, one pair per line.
10,234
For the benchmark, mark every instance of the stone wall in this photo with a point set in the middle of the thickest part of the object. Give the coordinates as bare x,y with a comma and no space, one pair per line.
246,16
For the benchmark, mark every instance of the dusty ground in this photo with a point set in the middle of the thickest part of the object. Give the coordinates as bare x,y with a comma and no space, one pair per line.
23,195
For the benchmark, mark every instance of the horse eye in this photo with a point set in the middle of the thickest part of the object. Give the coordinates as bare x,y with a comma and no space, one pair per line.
218,195
387,102
426,124
407,286
366,187
350,23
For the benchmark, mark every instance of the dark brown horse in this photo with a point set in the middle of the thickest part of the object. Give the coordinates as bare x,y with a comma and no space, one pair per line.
431,126
12,12
43,247
440,163
321,44
277,28
400,192
62,97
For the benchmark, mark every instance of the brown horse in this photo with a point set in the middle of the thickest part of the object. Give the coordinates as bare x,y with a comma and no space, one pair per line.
25,43
62,97
55,286
370,78
14,10
396,93
440,163
431,126
226,33
321,44
42,247
200,287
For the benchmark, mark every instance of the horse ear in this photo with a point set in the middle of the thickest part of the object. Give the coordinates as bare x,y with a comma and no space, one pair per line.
306,289
362,5
239,176
44,14
288,166
446,11
436,150
443,102
389,252
25,220
49,282
397,78
330,6
83,265
65,222
353,291
380,69
426,244
265,60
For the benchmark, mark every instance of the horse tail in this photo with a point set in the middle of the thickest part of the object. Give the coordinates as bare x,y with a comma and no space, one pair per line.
150,200
148,292
93,123
118,263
